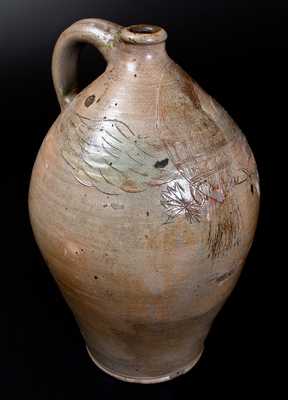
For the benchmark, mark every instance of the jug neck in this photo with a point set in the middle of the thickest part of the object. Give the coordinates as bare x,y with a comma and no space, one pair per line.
142,42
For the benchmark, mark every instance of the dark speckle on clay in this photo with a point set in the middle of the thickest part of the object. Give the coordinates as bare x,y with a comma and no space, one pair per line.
161,164
89,101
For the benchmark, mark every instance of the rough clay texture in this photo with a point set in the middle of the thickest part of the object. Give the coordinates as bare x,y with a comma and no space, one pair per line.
144,202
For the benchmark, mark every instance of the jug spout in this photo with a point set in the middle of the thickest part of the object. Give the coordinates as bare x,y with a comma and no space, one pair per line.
143,34
144,43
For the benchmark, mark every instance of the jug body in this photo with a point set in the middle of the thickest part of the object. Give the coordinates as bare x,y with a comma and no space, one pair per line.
144,202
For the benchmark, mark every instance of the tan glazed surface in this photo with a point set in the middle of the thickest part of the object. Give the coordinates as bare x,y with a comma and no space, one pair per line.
144,202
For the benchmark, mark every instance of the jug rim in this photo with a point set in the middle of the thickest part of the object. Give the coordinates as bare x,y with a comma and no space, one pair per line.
143,34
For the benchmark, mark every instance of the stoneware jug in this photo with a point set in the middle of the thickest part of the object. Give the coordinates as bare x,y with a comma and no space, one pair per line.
144,202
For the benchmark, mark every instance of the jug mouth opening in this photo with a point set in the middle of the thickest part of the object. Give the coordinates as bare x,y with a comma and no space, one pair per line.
143,34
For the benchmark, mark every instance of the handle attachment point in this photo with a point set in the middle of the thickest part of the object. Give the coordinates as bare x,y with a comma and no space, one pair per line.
99,33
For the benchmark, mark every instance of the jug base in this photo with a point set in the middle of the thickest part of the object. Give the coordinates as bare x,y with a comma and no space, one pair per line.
147,379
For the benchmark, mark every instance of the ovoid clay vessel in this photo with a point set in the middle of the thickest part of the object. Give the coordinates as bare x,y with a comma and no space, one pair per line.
144,202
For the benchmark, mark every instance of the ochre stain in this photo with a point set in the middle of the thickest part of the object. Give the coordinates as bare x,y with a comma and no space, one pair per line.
130,186
224,229
187,88
171,236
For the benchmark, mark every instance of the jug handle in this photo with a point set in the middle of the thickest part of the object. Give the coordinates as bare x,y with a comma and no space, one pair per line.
98,32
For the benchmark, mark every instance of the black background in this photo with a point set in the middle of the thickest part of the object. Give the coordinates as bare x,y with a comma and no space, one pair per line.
235,49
